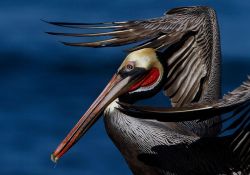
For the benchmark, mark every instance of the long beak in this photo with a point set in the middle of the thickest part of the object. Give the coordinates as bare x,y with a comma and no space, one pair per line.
116,87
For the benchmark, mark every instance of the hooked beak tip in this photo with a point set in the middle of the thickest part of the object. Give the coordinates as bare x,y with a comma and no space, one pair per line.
54,158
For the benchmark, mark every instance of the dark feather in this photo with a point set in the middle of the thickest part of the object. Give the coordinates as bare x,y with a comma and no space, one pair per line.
233,101
237,101
185,29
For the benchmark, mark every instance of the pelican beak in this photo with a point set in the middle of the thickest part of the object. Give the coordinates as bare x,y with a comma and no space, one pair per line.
118,85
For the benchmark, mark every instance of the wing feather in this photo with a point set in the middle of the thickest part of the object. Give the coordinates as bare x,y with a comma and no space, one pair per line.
169,27
237,101
181,35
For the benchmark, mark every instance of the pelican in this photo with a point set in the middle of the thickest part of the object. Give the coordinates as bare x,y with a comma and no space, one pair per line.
179,54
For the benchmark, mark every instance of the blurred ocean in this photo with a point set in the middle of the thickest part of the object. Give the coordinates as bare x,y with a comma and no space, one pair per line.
46,87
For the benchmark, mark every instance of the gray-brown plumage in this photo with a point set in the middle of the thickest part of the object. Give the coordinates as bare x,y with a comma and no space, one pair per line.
179,53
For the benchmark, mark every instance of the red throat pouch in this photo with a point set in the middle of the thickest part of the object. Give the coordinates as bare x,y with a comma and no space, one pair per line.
148,80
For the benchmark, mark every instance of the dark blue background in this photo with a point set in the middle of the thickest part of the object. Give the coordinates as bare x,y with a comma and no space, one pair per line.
46,87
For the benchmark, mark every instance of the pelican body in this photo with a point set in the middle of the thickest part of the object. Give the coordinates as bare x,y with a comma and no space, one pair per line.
181,56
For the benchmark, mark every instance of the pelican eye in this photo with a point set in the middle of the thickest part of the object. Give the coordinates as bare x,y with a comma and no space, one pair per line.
129,67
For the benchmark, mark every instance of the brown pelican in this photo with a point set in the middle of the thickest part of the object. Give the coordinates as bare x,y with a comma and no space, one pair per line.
179,54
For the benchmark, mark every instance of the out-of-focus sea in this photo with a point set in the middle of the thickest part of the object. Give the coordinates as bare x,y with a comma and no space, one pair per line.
46,87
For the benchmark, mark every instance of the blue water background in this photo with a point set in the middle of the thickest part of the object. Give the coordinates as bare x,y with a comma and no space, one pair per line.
46,87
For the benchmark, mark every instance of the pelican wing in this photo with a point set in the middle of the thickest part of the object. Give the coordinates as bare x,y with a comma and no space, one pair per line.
237,102
154,33
184,36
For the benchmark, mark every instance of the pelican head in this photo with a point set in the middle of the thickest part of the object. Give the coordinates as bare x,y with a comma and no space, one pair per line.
146,61
140,73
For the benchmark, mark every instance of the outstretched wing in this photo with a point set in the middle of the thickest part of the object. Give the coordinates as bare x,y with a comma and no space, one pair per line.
237,102
156,32
184,36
